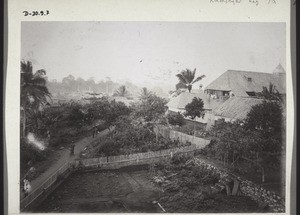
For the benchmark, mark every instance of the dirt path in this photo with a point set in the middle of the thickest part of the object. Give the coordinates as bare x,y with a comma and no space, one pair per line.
64,157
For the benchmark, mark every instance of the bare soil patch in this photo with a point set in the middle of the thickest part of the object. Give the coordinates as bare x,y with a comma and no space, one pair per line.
104,192
134,191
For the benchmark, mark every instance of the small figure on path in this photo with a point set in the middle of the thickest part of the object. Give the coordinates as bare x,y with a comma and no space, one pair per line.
94,131
27,187
72,148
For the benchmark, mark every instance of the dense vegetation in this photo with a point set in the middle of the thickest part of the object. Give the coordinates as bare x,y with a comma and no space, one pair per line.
258,140
131,138
135,132
186,188
57,127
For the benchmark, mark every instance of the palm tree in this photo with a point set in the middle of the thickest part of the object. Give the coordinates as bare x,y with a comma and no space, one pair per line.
145,93
186,79
122,92
34,92
270,93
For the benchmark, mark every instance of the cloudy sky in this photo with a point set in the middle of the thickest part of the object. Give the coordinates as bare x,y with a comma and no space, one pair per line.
151,53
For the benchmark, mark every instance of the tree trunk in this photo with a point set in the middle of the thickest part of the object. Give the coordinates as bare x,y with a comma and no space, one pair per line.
24,123
194,127
262,175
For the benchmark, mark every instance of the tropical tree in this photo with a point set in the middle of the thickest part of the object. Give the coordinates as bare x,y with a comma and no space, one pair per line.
145,93
187,79
150,109
122,91
194,109
34,92
176,119
266,117
270,93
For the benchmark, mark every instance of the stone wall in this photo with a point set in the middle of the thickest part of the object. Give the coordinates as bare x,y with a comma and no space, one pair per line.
250,189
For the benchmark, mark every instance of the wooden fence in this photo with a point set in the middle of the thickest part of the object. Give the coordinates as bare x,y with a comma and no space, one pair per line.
25,202
114,162
111,162
182,137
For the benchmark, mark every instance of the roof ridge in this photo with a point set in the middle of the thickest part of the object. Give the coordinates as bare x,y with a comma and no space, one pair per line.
232,70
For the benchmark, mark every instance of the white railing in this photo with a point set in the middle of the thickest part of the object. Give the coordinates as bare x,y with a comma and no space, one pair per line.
111,160
132,159
25,202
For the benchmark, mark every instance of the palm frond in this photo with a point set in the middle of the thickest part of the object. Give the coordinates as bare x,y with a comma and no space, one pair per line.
186,76
40,72
181,85
198,78
182,78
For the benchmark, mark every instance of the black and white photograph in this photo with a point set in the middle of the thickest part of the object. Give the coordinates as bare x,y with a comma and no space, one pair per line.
152,117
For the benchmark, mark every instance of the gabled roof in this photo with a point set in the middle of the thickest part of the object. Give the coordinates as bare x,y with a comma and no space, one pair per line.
184,98
279,69
236,107
240,82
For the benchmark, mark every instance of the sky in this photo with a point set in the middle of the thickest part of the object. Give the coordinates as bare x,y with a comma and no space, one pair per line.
151,53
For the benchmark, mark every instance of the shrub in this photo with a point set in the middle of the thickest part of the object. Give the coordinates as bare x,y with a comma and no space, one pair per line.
179,158
176,119
128,139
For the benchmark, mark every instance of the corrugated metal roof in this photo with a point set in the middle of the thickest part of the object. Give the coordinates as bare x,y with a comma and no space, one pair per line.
236,107
240,82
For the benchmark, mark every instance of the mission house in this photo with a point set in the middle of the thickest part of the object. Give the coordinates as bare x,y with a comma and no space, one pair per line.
231,96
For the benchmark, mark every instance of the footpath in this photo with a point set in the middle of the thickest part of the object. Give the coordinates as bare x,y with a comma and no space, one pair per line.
64,157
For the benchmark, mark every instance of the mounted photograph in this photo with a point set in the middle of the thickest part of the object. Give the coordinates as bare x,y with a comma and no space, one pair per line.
153,117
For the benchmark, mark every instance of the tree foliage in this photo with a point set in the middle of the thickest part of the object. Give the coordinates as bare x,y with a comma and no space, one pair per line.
194,109
259,139
268,119
176,119
150,108
130,138
122,91
34,92
145,93
231,139
270,93
187,79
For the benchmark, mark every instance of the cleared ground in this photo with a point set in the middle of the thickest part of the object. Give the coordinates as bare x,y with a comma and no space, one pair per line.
132,191
104,192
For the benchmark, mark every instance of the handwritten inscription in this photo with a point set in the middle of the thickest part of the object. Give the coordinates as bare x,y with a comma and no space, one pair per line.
253,2
226,1
36,13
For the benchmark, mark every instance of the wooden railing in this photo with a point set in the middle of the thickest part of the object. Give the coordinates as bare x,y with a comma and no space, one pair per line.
110,162
133,159
25,202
